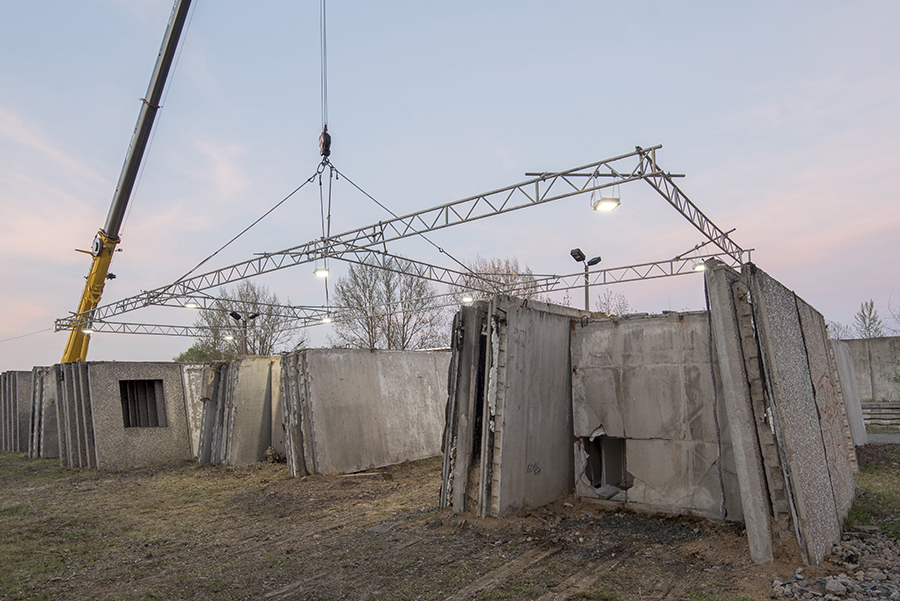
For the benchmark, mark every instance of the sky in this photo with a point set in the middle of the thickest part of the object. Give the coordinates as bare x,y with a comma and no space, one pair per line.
784,118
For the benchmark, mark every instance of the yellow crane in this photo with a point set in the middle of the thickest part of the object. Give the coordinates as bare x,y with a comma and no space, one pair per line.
107,238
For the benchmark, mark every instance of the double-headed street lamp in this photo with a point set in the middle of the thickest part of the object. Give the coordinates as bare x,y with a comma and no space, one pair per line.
580,257
243,321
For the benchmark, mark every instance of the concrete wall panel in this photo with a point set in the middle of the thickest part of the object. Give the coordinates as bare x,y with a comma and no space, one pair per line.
835,436
797,424
121,448
875,362
648,379
531,390
726,294
370,409
850,391
250,414
191,377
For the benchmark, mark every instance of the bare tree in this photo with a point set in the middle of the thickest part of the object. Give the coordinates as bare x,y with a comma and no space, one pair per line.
242,322
867,322
383,305
612,303
839,331
501,275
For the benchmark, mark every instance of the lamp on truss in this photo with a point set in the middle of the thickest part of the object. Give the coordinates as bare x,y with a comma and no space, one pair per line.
191,305
321,272
327,318
467,299
606,199
700,266
87,331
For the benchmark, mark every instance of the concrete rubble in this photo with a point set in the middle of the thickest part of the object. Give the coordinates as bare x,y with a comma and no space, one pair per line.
733,413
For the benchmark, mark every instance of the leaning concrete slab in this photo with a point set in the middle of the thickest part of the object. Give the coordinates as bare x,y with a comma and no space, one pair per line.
44,433
796,416
852,402
350,410
728,304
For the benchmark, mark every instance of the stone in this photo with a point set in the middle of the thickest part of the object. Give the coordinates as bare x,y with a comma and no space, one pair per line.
834,587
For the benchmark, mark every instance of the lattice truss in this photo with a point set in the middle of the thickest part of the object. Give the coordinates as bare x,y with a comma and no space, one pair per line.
364,244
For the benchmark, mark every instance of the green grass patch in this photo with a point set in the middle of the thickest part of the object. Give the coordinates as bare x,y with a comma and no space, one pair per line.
879,481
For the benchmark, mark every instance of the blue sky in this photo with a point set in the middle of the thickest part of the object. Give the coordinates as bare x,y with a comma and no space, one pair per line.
784,117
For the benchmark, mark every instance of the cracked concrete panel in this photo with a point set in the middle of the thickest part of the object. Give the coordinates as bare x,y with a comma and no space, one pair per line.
831,411
797,427
661,392
663,402
673,476
850,391
120,448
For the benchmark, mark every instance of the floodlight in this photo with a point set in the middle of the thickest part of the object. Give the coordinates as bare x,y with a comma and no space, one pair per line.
699,266
235,315
229,337
87,331
321,272
191,305
467,299
594,261
327,319
609,203
577,254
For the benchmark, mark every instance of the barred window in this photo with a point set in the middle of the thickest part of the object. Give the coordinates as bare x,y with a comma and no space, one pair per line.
143,404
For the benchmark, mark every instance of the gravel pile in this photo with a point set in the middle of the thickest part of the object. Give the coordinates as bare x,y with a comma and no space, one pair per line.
872,564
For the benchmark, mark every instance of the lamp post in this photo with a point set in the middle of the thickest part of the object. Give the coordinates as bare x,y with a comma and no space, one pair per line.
581,258
243,321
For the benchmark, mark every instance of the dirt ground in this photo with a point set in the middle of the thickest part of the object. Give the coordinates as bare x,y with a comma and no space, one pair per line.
199,532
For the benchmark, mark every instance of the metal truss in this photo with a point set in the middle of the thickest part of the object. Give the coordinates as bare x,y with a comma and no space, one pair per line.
629,273
312,316
355,246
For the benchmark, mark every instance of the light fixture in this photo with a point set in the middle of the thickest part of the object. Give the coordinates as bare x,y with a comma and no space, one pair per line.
191,305
579,256
603,200
229,337
467,299
609,203
87,331
699,266
321,272
327,319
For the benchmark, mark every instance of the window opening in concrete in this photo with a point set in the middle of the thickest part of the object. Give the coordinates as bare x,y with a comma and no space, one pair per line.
605,463
143,404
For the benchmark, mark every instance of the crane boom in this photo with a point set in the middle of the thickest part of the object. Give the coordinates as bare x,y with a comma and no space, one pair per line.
108,238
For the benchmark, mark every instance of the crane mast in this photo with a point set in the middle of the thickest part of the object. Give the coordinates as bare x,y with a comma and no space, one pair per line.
107,238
